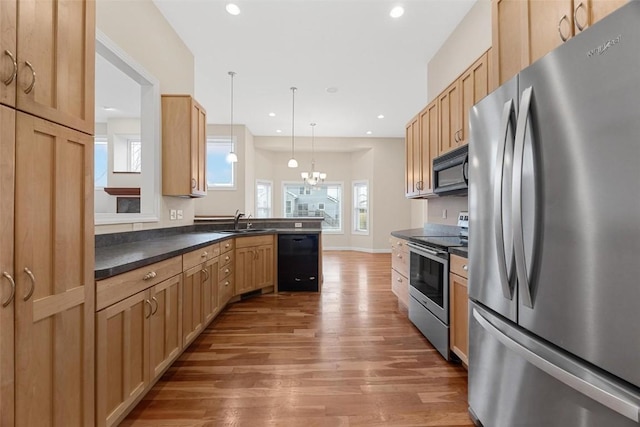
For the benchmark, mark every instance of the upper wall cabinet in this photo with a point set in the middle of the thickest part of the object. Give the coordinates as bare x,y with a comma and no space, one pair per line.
524,31
184,139
48,64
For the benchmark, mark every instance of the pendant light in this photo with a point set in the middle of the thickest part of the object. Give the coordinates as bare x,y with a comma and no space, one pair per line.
293,163
232,157
314,177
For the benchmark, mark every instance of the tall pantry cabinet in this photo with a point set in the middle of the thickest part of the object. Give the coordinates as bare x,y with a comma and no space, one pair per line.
47,298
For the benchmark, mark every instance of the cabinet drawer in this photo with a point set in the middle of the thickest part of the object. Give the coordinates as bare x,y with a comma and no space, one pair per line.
458,265
225,290
225,271
199,256
398,243
226,246
246,242
400,261
400,287
226,259
117,288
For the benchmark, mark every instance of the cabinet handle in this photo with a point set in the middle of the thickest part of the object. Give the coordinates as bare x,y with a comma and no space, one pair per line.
455,137
226,271
399,243
312,278
150,275
227,245
194,183
465,268
33,284
399,280
206,274
155,309
227,283
227,258
33,77
13,289
460,135
575,16
150,309
399,256
562,36
298,280
204,254
13,75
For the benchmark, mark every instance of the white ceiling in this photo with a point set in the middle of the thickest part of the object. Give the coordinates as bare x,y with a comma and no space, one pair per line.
377,63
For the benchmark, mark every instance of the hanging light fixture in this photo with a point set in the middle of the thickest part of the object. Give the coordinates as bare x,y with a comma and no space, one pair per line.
293,163
232,157
314,177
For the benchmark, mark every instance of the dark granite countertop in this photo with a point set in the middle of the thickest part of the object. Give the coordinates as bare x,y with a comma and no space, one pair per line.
120,258
433,230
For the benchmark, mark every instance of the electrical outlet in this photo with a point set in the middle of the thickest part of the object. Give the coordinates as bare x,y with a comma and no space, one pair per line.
180,214
172,214
444,214
298,225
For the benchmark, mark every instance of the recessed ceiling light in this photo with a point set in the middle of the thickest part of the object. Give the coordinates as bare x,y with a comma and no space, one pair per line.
396,12
272,114
332,89
381,116
369,132
278,130
105,108
233,9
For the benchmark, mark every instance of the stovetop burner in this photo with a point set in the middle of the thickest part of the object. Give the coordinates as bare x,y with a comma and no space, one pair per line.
443,242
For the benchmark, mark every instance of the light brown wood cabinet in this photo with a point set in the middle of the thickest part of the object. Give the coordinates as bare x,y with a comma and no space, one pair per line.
254,263
138,335
184,139
450,125
400,270
200,290
48,60
459,308
413,169
474,85
524,31
226,288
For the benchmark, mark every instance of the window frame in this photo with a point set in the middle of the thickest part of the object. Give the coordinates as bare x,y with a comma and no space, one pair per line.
102,140
355,208
234,169
339,184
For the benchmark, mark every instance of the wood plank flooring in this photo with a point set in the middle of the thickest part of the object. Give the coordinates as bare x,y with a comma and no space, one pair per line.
345,357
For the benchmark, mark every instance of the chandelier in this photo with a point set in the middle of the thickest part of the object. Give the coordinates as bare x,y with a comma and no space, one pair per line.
314,177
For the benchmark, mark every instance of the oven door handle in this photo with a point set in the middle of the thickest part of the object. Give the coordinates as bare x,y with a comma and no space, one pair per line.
419,248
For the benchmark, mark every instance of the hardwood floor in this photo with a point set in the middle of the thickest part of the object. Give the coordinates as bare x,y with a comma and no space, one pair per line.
344,357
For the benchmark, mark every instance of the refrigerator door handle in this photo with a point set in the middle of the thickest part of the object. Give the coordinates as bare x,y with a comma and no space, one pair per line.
498,224
518,231
612,398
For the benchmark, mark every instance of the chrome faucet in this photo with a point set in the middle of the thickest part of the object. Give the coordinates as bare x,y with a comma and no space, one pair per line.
249,225
236,218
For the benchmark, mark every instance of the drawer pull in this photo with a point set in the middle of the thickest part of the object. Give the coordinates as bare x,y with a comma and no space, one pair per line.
312,278
399,280
399,256
298,280
465,268
227,245
227,258
204,254
226,271
13,289
150,275
227,283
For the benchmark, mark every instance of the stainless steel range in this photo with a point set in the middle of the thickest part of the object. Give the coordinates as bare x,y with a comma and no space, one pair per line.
429,283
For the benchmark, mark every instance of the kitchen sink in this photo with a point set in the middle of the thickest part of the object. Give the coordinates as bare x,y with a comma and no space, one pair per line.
245,230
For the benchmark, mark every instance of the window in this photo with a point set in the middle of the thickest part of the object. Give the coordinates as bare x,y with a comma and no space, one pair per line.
134,148
323,200
220,173
101,161
263,199
361,207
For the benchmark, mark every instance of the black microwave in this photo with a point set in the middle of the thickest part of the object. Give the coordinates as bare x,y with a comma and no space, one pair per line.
451,172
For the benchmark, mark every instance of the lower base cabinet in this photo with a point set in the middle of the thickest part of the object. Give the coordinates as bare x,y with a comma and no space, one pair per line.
459,307
255,263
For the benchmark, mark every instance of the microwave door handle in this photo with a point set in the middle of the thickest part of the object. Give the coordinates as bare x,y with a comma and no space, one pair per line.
498,224
518,230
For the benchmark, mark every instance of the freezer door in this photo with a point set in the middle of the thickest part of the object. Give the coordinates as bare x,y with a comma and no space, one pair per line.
491,258
517,380
577,178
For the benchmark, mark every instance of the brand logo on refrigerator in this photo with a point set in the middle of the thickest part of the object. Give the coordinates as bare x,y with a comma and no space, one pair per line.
603,47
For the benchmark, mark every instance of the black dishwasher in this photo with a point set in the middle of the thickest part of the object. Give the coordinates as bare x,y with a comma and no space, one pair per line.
298,262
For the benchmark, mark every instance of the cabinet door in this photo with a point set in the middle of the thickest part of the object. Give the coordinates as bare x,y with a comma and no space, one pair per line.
56,61
459,328
166,324
244,270
7,289
547,25
55,290
122,357
210,289
507,39
192,318
429,144
588,12
474,85
412,147
198,148
449,110
263,267
8,16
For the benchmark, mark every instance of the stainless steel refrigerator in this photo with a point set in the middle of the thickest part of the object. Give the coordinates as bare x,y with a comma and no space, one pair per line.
554,244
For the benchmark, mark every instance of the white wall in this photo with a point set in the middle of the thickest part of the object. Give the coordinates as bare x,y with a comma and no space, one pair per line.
463,47
139,29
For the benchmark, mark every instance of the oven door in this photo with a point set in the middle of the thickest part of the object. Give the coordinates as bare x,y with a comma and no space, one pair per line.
429,275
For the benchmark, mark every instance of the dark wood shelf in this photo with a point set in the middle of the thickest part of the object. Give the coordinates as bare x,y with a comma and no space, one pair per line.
123,191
